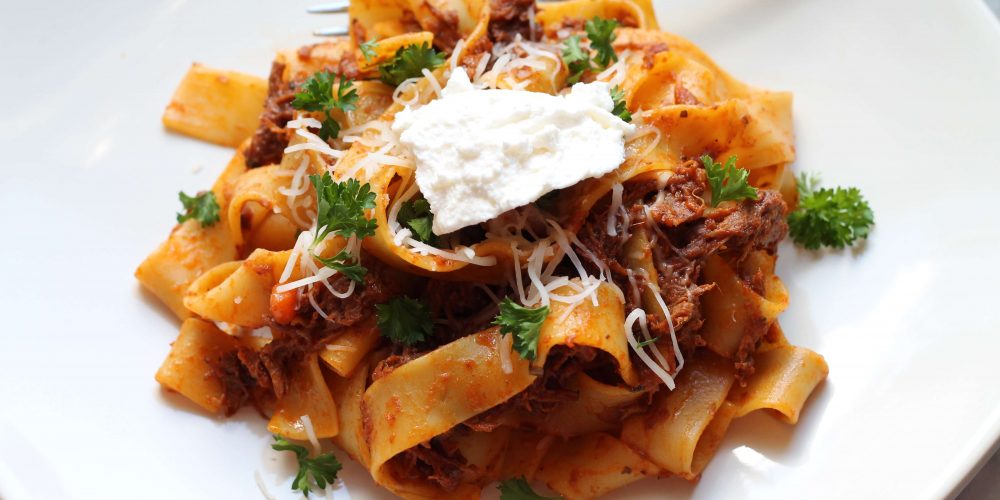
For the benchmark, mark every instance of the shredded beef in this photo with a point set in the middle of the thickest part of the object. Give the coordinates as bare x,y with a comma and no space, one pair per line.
249,375
464,307
438,460
271,137
393,361
682,197
692,232
509,18
551,388
237,383
376,289
443,23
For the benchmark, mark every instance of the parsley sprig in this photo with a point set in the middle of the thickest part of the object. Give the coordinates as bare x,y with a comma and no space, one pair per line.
416,215
345,265
728,182
340,210
202,207
318,471
368,49
601,33
404,320
340,207
409,62
318,95
519,489
829,217
576,58
620,110
525,323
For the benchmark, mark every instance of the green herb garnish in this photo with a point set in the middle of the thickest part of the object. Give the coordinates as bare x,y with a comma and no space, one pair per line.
416,215
601,33
409,62
368,49
519,489
318,95
829,217
525,323
404,320
201,207
728,182
340,207
576,58
319,471
620,110
345,265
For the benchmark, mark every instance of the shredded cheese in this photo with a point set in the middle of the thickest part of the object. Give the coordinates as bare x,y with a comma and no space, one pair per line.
310,432
507,59
616,205
615,73
655,289
433,80
640,316
504,347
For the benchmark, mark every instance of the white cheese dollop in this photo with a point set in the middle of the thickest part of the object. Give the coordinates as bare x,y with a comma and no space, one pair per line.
480,153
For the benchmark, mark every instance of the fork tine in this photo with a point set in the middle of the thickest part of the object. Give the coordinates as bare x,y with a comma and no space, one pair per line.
331,31
329,8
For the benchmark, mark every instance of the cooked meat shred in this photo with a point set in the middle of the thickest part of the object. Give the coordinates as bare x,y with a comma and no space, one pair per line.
376,289
438,460
676,212
271,138
509,18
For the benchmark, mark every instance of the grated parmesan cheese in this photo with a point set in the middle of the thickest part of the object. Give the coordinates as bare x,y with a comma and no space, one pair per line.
640,316
310,433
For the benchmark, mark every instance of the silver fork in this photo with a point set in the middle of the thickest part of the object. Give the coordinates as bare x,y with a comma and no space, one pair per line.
334,7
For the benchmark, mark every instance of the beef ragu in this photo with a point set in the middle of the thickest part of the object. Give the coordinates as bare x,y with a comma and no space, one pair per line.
639,296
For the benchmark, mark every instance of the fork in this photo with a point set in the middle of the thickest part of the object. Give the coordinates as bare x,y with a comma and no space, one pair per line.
334,7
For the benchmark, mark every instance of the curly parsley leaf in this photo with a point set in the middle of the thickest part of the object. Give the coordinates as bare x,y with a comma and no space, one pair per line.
576,58
318,95
343,263
368,49
621,111
519,489
601,33
201,207
340,207
525,323
329,129
319,471
416,215
829,217
728,182
404,320
409,62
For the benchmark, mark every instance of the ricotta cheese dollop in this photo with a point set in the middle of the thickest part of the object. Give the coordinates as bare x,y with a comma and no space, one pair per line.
480,153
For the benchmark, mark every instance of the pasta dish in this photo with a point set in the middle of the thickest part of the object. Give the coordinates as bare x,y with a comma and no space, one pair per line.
478,242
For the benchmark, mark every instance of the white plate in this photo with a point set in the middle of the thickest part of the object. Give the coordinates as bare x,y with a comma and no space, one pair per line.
897,97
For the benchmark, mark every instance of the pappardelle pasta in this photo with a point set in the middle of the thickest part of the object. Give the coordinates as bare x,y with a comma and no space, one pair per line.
477,242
